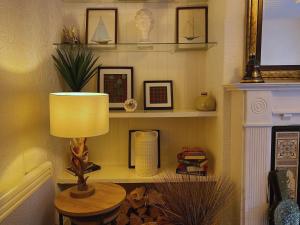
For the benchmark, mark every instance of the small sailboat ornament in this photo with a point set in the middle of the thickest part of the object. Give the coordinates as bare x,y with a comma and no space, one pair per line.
191,35
101,35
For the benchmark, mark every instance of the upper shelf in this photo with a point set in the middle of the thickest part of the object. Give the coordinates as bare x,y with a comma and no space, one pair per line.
147,47
137,1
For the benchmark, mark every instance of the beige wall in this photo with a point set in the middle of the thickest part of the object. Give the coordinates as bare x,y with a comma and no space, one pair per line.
27,31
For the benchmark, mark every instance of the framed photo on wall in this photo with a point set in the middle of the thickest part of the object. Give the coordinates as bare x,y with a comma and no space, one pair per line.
192,24
131,150
158,94
118,83
101,26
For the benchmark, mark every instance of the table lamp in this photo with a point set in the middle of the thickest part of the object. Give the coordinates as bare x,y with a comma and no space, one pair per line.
78,115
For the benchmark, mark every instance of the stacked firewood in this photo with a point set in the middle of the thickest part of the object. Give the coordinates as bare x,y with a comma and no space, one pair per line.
142,206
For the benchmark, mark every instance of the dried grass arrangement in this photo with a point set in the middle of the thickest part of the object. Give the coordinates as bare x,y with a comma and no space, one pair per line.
194,200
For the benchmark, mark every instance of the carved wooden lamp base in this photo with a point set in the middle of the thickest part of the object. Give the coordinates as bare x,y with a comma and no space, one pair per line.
75,193
79,163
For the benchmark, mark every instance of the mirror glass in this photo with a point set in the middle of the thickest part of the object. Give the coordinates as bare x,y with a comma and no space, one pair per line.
280,33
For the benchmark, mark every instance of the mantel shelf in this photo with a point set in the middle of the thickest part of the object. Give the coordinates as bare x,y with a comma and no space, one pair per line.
120,174
137,1
146,47
162,114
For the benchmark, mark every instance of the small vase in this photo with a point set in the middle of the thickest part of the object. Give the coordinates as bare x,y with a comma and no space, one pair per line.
146,153
205,102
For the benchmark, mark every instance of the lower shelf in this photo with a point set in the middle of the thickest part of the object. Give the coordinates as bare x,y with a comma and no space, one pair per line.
119,174
162,114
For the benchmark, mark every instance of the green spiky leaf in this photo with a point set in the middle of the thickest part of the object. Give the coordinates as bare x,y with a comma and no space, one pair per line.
76,64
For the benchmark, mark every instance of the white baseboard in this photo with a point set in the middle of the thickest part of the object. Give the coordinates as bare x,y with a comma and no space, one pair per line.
27,186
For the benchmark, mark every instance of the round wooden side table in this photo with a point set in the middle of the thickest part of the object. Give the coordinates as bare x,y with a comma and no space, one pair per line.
98,209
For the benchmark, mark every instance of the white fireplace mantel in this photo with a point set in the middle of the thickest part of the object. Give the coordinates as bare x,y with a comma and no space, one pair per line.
254,110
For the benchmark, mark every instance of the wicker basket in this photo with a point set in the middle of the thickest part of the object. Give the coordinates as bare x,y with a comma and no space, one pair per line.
146,153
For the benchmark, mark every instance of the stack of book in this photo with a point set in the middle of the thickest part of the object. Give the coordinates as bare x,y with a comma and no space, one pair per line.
192,161
91,167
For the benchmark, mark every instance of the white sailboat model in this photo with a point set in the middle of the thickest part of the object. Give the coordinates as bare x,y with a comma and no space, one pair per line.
191,34
101,35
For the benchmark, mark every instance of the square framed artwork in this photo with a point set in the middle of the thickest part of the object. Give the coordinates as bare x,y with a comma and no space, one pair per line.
118,83
285,156
131,150
158,94
101,24
192,24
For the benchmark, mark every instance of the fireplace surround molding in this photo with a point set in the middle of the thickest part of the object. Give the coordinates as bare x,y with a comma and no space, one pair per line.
253,110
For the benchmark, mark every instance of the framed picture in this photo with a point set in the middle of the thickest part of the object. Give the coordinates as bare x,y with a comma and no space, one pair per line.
192,24
158,94
285,156
101,26
118,83
131,151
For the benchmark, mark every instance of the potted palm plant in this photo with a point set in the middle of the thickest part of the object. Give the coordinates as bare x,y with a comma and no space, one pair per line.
76,65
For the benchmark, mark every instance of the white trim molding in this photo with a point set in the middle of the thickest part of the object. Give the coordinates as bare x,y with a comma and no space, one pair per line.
260,107
27,186
276,86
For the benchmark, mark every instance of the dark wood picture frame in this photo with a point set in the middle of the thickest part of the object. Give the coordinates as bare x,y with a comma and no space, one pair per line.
254,43
131,90
146,106
205,8
130,147
276,129
115,10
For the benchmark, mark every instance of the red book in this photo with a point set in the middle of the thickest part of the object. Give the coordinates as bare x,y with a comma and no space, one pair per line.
192,155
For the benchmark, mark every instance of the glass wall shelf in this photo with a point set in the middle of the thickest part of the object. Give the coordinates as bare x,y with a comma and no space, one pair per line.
145,47
137,1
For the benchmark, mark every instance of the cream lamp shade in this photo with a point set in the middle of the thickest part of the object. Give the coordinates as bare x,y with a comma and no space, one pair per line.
78,114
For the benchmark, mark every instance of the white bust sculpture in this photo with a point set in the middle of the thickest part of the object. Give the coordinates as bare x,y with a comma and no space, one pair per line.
144,23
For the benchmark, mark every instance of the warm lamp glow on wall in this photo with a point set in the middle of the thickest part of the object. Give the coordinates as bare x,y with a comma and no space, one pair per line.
78,115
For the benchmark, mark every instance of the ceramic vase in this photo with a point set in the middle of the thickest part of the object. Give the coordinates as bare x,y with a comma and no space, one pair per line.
205,102
146,157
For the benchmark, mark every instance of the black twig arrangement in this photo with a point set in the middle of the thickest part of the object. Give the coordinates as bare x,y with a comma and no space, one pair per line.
193,200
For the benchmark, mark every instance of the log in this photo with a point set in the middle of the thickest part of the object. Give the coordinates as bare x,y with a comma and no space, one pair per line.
154,212
148,219
138,193
122,219
150,223
125,207
140,207
135,203
155,198
135,220
142,211
162,220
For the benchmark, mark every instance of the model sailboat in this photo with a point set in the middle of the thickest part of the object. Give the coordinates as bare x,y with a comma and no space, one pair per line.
191,35
101,35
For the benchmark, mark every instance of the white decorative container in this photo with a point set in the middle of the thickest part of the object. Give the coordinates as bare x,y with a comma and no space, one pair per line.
146,153
144,23
130,105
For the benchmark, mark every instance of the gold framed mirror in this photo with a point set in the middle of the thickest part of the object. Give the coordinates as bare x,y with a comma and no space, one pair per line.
273,38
